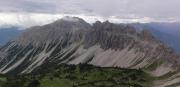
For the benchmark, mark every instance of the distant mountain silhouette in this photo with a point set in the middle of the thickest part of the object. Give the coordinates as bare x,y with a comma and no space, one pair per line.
169,33
7,34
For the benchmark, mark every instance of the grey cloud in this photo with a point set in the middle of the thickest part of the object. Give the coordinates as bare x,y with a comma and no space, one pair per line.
149,8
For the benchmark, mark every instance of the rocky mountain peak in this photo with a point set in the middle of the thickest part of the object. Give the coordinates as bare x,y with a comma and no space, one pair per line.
103,44
71,19
53,32
73,41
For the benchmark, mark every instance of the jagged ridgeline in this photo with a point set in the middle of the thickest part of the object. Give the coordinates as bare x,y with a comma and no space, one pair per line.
71,40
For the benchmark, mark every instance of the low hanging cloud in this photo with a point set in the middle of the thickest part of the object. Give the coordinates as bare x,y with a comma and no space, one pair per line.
126,10
33,19
152,8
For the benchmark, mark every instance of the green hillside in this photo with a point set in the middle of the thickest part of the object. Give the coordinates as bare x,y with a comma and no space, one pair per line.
2,80
82,76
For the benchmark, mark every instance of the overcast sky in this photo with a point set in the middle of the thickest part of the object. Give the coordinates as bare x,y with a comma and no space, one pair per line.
156,9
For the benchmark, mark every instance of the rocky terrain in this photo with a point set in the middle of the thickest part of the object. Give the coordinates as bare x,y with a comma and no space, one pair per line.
104,44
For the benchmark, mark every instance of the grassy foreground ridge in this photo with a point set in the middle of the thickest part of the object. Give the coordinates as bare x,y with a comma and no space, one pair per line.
81,75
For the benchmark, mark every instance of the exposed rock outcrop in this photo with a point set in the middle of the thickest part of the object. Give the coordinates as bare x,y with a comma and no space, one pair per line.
73,41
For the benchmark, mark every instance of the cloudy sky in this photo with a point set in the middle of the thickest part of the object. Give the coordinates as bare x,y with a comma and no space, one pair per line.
138,10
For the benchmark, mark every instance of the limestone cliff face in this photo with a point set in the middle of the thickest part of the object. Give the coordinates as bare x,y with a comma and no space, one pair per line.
73,41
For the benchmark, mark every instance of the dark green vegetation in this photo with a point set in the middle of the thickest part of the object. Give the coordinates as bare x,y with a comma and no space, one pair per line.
2,80
81,76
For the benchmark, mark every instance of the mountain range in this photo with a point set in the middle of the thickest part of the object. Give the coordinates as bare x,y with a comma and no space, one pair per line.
8,33
167,33
73,41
